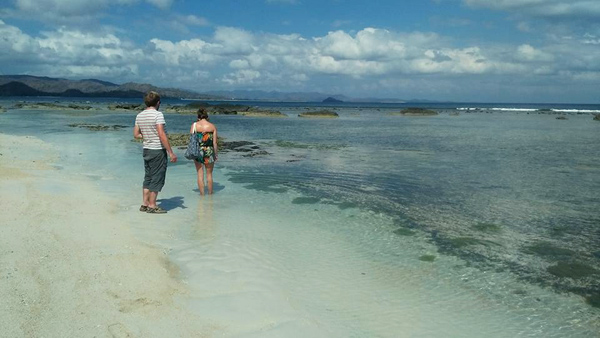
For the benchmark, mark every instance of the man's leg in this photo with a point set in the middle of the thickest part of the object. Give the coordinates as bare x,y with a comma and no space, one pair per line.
157,168
146,197
147,180
152,196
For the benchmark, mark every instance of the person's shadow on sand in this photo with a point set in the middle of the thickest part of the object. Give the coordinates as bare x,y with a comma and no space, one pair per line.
172,203
216,188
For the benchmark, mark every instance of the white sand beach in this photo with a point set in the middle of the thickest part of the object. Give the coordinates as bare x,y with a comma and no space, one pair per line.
69,267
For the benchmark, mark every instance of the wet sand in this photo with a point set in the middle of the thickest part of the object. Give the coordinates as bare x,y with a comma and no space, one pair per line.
70,266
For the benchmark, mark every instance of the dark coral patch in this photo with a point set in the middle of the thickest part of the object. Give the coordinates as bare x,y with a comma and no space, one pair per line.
571,270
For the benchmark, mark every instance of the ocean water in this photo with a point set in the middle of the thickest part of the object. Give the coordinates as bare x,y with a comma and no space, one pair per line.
369,225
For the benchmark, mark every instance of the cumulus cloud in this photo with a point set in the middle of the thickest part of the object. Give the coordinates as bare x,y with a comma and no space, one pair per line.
186,52
233,41
76,53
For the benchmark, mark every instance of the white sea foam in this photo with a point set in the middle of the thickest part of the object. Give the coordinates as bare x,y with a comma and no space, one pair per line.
593,111
515,109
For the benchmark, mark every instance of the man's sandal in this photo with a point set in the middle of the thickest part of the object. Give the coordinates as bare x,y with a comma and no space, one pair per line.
143,208
157,210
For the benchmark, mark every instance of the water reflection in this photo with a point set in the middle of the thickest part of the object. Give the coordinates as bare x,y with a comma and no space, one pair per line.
204,229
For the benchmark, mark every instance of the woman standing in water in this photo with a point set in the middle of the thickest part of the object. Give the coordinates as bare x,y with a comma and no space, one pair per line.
207,137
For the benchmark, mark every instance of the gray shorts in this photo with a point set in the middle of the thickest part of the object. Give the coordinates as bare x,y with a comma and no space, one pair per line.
155,167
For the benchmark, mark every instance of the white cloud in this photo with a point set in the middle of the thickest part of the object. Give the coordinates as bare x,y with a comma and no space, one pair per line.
239,64
92,71
590,39
233,41
192,20
71,52
186,52
528,53
241,77
14,41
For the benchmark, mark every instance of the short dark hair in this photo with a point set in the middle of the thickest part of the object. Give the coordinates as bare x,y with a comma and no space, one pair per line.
151,99
202,114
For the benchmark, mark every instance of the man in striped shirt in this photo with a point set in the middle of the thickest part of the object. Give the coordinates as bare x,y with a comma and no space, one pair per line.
150,126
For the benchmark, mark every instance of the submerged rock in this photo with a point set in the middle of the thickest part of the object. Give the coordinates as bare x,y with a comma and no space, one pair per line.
256,153
404,232
263,113
97,127
487,227
178,139
460,242
49,105
223,109
237,145
572,270
593,300
250,149
548,250
127,106
306,200
416,112
427,258
319,114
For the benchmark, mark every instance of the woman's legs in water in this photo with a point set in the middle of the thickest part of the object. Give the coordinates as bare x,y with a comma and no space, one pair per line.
200,173
209,179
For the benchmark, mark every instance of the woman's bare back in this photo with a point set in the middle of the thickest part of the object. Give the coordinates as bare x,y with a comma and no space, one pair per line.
204,126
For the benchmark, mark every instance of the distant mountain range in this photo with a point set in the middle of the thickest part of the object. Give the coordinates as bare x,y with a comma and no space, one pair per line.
28,85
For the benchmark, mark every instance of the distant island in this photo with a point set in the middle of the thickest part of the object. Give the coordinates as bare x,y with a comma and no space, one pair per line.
332,100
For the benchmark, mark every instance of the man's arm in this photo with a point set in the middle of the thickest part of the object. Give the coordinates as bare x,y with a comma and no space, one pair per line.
137,133
160,128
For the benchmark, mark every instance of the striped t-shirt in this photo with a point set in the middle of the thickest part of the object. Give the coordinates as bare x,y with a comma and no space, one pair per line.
147,121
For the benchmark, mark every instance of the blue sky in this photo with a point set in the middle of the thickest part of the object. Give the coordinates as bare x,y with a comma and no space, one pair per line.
456,50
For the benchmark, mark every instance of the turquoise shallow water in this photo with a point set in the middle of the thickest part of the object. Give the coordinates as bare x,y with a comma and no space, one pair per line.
328,233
